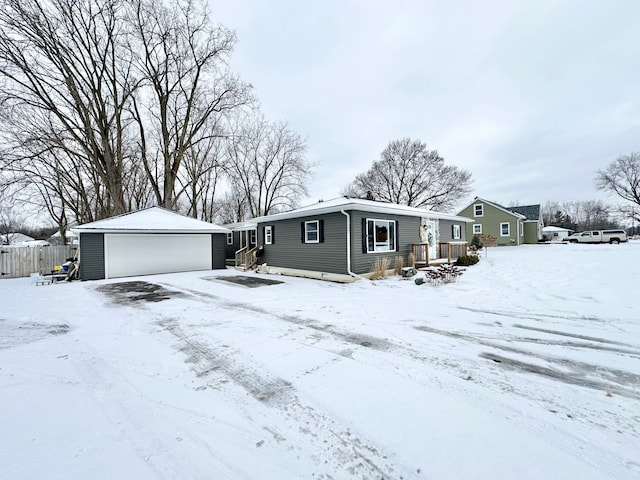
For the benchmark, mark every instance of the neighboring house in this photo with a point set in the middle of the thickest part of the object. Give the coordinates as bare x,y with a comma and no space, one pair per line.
345,236
56,238
555,234
14,238
241,235
509,225
149,241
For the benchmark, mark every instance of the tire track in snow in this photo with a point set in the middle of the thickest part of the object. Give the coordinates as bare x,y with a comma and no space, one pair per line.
347,450
152,430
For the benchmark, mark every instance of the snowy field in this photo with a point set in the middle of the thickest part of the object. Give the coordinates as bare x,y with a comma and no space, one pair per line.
527,368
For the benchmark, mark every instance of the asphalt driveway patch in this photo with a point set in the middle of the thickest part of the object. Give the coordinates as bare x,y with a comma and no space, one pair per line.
127,293
246,281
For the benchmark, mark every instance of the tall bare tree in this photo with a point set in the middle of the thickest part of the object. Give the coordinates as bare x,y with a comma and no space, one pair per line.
67,76
408,173
267,165
183,60
622,177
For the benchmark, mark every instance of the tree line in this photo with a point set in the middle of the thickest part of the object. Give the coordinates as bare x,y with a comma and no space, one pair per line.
109,106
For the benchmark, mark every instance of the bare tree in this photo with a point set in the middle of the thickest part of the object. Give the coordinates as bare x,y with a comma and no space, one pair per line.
266,164
622,177
410,174
11,222
183,60
67,77
199,177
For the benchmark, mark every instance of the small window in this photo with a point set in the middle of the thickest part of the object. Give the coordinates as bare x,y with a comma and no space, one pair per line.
268,238
521,229
505,229
477,228
252,237
478,210
381,236
456,232
596,233
311,232
230,238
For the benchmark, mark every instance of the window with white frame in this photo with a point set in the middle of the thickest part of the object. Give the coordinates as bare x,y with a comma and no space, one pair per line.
505,229
268,237
478,210
477,228
312,231
521,229
456,232
252,237
230,238
381,235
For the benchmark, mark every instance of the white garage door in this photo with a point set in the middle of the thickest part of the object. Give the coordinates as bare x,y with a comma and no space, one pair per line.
127,255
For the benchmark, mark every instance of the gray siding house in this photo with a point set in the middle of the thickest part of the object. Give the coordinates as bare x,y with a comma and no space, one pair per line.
345,236
149,241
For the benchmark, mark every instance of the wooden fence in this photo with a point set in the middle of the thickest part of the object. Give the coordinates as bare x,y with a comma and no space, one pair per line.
16,262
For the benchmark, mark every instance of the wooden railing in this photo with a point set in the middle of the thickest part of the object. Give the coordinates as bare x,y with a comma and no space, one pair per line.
452,250
245,258
420,253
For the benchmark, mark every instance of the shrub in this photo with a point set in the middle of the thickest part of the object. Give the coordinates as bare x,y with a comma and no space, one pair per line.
380,268
476,242
467,260
397,268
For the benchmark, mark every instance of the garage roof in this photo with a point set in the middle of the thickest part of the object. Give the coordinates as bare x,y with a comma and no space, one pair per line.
150,220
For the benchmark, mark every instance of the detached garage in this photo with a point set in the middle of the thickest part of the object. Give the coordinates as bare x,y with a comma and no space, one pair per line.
148,242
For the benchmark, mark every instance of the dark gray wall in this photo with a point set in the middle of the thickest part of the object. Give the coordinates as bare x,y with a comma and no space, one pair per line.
230,250
446,231
218,245
408,232
288,250
91,256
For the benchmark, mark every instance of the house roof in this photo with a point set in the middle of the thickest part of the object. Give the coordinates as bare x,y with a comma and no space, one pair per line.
151,220
531,212
551,228
496,205
345,203
16,237
241,226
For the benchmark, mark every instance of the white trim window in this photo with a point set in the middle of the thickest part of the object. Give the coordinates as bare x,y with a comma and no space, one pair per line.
312,231
230,238
505,229
522,229
478,210
268,237
477,228
456,232
381,235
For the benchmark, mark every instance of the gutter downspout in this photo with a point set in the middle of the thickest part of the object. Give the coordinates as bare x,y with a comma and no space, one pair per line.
355,275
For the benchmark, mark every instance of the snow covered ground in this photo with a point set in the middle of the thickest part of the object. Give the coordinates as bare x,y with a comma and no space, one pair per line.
528,367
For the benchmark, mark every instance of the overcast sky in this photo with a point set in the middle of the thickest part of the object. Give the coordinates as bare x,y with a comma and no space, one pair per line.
532,97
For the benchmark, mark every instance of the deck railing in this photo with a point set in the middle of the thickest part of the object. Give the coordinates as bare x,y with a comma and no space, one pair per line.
420,253
245,258
452,250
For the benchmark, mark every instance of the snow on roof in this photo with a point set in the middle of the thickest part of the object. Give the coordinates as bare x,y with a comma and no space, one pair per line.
151,220
346,203
551,228
15,237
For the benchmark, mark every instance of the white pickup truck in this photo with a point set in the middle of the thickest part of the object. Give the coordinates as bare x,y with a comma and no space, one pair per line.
599,236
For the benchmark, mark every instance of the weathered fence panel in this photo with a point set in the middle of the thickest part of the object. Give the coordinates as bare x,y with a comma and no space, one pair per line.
16,262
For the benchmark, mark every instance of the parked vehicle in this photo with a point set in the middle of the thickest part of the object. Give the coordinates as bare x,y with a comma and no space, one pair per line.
599,236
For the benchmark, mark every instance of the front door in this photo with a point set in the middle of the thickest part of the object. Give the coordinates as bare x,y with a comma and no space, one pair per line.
429,235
